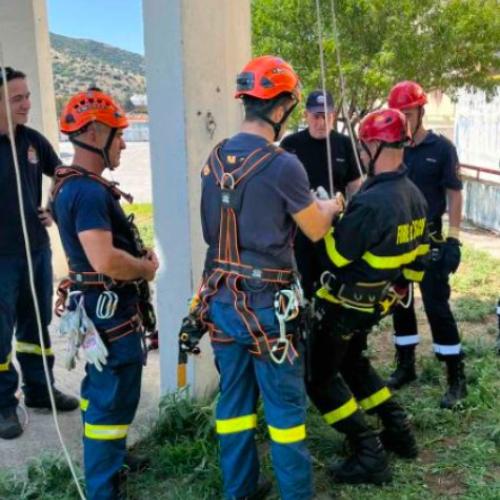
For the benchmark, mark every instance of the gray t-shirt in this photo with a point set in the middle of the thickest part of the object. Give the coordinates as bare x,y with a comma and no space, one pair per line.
265,226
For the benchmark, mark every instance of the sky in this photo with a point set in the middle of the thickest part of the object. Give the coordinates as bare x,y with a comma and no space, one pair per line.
115,22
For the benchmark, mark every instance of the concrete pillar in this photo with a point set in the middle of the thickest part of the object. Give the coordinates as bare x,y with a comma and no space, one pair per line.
24,35
194,49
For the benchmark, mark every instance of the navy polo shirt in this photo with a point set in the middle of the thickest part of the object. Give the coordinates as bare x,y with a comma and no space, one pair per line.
36,157
83,204
265,226
433,166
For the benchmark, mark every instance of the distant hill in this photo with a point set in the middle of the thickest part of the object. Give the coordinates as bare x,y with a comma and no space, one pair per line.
79,63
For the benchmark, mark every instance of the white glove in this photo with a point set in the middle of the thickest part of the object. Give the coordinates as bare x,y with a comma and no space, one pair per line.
70,327
321,193
94,350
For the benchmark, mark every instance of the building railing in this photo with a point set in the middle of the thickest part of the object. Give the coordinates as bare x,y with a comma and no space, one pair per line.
480,173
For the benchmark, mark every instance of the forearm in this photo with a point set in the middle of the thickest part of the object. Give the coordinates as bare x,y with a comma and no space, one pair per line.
120,265
454,212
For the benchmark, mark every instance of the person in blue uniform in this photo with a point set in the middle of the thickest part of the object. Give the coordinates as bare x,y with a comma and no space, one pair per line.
36,158
253,195
104,258
433,166
309,145
369,256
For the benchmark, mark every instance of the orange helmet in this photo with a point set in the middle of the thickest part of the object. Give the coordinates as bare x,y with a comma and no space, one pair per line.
88,107
266,77
405,95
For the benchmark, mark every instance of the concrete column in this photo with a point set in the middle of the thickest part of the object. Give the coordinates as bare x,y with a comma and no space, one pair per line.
194,49
24,35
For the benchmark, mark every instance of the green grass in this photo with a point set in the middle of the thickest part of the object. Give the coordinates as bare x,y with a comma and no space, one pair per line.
459,450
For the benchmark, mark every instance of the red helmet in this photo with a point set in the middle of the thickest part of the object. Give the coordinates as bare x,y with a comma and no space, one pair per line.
386,125
266,77
407,94
91,106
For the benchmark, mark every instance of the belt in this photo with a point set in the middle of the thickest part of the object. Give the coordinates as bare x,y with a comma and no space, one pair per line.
361,295
90,278
122,330
269,275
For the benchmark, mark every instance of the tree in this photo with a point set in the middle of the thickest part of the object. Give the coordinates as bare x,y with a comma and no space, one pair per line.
442,44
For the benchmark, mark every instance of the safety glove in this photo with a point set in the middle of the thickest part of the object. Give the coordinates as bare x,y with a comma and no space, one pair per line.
93,347
451,255
190,335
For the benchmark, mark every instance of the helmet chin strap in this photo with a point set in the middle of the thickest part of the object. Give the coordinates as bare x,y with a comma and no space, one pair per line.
103,153
374,158
278,125
419,121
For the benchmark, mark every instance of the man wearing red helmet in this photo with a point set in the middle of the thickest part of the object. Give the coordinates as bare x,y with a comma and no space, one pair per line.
368,257
253,194
36,158
433,166
107,270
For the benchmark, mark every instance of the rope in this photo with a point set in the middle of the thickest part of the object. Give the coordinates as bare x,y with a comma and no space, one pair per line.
343,89
323,85
31,275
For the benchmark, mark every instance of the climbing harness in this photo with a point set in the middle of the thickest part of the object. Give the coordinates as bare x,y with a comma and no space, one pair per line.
233,266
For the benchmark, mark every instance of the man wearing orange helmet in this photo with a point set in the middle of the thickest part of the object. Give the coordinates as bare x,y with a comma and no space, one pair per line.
368,257
433,166
107,269
36,157
253,194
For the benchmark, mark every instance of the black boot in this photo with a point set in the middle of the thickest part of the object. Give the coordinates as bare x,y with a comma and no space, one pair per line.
367,464
10,427
405,367
397,435
457,387
63,401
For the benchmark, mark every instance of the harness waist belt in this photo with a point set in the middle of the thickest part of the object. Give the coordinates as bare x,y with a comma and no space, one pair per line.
126,328
257,273
359,294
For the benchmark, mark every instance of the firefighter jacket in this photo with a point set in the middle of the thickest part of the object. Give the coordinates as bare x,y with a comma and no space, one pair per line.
382,236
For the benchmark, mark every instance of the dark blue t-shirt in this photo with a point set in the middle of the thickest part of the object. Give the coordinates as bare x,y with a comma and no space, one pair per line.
265,225
83,204
36,157
433,167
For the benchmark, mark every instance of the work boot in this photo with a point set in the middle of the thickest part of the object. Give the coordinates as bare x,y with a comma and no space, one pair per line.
457,387
136,463
10,427
263,488
405,367
367,464
63,401
397,435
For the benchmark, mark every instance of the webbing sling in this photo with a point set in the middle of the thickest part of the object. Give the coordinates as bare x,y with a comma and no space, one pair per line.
228,267
64,174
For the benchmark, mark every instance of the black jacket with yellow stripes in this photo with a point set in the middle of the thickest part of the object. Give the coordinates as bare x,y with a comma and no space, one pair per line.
382,236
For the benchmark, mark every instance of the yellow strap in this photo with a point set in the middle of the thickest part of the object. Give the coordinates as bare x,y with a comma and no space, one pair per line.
27,348
105,432
4,367
237,424
333,254
375,399
395,261
287,436
344,411
84,404
412,275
